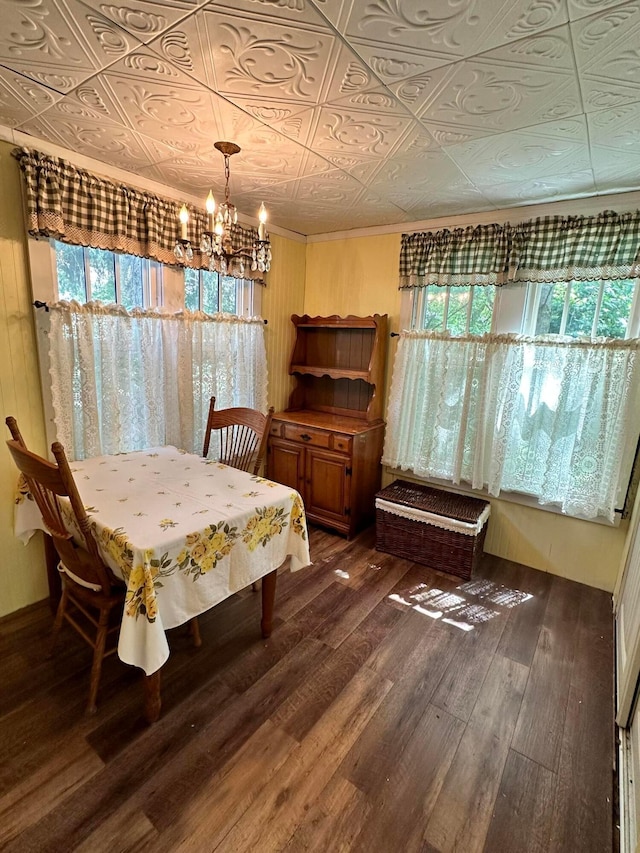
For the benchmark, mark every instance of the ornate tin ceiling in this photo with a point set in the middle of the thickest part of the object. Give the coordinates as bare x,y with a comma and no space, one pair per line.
350,113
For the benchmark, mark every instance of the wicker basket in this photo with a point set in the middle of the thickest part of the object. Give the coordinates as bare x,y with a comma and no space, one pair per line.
439,529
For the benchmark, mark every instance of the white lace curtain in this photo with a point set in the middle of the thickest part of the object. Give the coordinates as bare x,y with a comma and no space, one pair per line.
123,381
554,418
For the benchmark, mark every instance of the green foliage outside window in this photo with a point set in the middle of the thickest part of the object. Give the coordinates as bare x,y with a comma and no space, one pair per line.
582,307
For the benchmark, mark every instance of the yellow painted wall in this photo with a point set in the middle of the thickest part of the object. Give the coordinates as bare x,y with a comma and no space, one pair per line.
283,296
22,572
360,276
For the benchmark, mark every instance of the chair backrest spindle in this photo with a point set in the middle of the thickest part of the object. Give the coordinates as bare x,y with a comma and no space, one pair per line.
242,434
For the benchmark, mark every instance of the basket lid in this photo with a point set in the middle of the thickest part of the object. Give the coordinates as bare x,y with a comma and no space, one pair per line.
449,504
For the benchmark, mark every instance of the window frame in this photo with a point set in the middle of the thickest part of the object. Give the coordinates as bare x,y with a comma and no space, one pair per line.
248,293
152,276
515,308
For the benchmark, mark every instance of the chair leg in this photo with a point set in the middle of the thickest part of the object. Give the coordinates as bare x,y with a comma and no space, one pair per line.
57,625
194,628
98,657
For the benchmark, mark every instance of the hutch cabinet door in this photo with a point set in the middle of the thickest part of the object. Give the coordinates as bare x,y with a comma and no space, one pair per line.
327,492
286,464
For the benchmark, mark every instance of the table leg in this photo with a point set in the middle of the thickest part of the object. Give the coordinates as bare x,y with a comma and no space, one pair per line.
152,701
268,599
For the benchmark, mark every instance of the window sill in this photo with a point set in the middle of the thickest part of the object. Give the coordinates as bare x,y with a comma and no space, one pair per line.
508,497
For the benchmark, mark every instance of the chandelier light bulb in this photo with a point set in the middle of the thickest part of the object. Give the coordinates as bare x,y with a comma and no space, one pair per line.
184,219
210,205
262,216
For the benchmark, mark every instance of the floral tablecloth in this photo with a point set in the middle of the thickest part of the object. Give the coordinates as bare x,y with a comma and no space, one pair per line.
184,532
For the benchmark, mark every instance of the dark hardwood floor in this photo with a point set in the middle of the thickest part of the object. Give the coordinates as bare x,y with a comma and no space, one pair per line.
393,709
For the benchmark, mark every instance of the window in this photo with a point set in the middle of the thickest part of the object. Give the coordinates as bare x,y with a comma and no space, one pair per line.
545,420
577,308
583,309
211,292
458,310
87,274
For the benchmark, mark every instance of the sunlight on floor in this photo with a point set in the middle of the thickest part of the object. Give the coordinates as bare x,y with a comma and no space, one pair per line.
456,608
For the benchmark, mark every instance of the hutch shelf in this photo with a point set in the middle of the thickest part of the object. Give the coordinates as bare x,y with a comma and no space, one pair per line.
328,442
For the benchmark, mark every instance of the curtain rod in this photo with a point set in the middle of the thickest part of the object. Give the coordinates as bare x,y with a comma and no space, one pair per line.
39,304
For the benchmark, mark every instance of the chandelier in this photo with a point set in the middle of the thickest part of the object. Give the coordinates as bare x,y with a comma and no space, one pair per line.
216,242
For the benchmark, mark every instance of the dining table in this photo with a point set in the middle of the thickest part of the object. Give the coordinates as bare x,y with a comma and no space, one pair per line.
184,533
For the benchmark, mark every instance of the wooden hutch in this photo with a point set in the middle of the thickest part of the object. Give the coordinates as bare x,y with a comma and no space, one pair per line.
328,443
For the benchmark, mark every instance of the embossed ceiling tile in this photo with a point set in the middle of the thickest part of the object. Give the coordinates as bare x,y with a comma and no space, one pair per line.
350,132
615,170
422,89
444,29
289,119
422,173
584,8
293,12
380,100
145,19
335,11
183,117
618,128
59,43
346,74
550,49
239,56
392,66
265,161
93,100
519,155
599,94
259,144
444,208
415,141
444,135
521,20
39,128
494,97
432,205
189,174
605,44
569,185
117,146
146,64
21,98
362,168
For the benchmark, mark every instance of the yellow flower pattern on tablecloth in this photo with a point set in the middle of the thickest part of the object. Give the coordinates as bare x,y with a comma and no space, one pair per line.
22,490
141,589
205,549
263,526
297,517
117,546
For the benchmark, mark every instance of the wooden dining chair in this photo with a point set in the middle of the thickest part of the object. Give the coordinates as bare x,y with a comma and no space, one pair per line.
91,592
242,434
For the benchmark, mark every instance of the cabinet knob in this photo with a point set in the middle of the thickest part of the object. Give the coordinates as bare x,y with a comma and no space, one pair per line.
305,437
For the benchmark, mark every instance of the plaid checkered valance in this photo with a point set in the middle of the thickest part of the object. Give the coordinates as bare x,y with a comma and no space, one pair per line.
552,248
75,206
480,255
